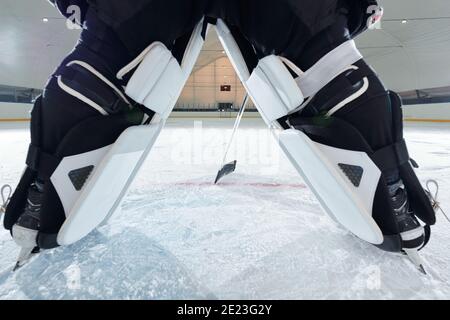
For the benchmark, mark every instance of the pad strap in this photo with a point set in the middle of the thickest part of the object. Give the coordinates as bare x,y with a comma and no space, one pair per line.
328,68
392,156
42,162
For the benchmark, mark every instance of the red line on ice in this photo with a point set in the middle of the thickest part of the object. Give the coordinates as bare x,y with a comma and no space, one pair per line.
237,184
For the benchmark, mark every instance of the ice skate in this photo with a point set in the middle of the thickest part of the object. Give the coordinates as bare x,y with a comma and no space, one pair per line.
26,230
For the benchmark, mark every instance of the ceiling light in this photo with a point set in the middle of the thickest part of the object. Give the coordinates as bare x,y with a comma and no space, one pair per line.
404,21
45,20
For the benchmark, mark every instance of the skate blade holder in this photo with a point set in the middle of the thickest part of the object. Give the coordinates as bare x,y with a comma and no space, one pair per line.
106,187
349,204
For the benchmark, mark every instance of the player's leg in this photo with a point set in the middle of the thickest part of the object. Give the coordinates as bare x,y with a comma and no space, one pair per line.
87,125
343,128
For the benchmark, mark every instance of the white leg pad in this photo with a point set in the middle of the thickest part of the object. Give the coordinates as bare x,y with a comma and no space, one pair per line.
273,89
159,79
156,83
271,86
108,184
319,166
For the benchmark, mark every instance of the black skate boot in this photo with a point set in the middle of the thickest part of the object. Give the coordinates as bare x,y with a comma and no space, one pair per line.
26,230
411,231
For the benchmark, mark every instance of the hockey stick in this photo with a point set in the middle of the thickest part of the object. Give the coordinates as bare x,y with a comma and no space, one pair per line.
228,168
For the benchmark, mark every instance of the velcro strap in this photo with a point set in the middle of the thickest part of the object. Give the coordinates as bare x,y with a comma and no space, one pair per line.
328,68
90,86
355,76
392,156
41,162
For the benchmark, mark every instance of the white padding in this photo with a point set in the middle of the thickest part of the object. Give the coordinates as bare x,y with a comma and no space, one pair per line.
271,85
232,50
108,184
159,79
319,166
193,49
274,89
63,186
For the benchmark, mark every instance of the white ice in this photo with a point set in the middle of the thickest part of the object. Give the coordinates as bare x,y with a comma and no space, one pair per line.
259,235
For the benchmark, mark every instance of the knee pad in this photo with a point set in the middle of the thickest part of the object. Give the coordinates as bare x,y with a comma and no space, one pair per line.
159,79
270,85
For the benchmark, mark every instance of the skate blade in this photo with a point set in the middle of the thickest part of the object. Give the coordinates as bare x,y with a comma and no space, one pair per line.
414,257
24,256
227,169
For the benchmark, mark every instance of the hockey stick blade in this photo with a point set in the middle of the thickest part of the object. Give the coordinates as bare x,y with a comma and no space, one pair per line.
227,169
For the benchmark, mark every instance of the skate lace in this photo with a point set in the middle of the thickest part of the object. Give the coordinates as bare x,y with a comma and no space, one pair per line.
434,198
6,193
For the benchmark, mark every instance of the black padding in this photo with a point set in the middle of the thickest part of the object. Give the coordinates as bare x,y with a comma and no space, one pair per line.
180,46
47,241
246,48
392,156
333,132
53,215
414,163
33,156
397,115
42,162
382,211
391,243
18,199
420,203
427,229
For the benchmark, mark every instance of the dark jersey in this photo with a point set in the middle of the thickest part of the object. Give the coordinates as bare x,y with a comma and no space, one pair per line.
272,26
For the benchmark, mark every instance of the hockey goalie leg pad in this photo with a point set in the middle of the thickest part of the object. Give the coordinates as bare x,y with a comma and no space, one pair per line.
158,78
102,194
83,147
95,163
348,199
349,177
270,85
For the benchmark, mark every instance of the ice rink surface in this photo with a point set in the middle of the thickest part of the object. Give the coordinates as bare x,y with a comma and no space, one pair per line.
259,235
